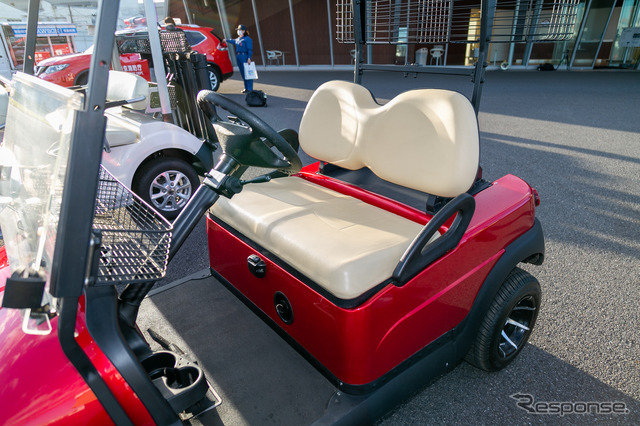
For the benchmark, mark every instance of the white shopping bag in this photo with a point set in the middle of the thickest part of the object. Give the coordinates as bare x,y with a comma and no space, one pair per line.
250,72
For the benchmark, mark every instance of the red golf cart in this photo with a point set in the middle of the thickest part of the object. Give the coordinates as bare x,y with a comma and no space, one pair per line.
371,272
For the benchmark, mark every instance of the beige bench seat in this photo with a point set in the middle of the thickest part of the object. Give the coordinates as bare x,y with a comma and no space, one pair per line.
424,139
343,244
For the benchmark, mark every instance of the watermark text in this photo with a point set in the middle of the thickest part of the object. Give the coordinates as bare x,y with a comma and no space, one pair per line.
527,402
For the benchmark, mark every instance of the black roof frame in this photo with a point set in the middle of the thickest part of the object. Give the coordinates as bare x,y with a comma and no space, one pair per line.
476,73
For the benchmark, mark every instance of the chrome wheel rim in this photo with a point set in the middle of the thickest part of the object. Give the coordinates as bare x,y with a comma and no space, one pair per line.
170,191
213,79
517,327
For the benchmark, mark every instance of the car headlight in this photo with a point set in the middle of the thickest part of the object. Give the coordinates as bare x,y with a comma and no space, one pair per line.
55,68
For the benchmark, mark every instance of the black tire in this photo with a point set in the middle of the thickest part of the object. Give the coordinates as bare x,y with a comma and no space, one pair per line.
82,79
214,77
499,340
166,184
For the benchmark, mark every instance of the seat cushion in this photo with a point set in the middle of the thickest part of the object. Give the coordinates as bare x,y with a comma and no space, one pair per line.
341,243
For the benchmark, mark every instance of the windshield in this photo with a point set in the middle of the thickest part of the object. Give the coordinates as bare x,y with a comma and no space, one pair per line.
33,162
34,155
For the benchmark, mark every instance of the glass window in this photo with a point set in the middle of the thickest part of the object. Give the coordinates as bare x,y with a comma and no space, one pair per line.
194,38
594,29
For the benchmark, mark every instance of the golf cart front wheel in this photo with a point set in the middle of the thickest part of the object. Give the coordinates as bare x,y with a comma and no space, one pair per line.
167,184
508,323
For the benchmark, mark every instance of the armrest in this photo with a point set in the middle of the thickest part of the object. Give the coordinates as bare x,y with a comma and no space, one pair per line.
423,251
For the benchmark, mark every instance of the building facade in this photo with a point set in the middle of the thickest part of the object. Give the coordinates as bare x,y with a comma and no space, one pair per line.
606,33
602,33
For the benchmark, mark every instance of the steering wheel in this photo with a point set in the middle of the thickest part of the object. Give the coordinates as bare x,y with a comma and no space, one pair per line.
258,145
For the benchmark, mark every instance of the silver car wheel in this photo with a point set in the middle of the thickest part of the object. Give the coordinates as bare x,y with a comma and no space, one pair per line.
170,190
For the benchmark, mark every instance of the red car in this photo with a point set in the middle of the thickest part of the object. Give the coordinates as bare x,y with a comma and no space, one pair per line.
72,70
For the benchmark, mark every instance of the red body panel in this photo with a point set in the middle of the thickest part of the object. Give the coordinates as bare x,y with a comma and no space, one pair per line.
3,262
134,64
47,389
213,47
77,64
360,345
39,384
80,62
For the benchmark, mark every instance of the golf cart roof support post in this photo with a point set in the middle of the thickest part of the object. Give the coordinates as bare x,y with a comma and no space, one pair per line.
81,180
77,207
359,18
68,311
32,34
156,56
486,18
74,240
103,325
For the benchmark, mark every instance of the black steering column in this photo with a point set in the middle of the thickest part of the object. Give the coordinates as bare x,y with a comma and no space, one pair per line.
247,141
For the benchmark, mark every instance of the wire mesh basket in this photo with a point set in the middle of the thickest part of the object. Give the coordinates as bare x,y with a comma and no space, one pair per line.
135,238
457,21
171,42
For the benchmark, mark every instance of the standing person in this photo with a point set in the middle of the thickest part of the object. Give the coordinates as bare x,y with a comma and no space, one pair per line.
244,51
170,24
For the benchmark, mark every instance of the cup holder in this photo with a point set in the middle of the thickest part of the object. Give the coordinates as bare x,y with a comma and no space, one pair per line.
180,378
156,363
182,384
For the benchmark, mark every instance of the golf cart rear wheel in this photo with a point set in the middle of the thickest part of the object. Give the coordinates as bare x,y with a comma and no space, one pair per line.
508,323
214,77
167,184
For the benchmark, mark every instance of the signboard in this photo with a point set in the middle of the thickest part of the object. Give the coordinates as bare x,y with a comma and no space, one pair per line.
630,37
44,30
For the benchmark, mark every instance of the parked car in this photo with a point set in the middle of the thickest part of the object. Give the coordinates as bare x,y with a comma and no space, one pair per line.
73,70
204,40
158,160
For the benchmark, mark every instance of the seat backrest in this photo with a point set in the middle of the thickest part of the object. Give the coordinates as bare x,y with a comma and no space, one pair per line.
423,139
124,86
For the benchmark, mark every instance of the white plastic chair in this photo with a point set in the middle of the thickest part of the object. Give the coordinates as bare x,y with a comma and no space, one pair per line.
274,55
436,53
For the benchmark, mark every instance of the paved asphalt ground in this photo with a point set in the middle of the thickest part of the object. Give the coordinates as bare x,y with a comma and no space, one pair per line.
576,138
